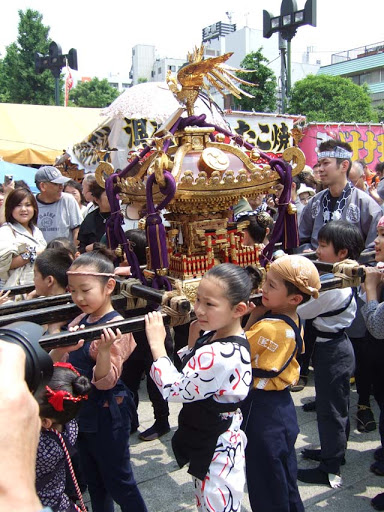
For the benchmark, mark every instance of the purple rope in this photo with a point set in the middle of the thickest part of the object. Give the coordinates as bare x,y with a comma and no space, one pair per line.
156,235
114,229
286,224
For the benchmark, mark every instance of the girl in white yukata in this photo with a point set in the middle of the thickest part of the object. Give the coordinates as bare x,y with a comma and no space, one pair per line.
214,380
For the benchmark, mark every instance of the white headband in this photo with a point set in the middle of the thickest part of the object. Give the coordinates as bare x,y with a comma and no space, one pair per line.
336,153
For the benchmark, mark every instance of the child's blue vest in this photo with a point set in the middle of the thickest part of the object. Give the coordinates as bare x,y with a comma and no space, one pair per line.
89,413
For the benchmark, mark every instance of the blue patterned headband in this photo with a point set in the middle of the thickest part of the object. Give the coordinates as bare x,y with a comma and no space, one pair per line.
337,152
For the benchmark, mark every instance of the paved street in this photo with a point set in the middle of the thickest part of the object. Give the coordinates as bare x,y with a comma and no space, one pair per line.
168,489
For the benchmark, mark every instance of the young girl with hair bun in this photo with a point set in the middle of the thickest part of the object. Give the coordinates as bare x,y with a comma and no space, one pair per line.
214,379
59,403
104,422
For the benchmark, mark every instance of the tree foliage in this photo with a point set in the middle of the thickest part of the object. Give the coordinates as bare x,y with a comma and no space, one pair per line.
18,81
95,93
380,112
325,98
265,80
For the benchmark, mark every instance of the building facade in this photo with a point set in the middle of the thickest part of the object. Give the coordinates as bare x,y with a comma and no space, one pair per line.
143,57
362,65
162,66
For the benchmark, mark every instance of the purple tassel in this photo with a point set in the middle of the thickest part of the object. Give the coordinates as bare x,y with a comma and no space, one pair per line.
286,224
156,235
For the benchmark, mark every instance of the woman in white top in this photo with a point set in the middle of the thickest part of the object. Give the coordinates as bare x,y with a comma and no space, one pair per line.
20,239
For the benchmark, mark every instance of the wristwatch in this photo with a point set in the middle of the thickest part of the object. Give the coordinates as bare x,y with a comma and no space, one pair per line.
29,254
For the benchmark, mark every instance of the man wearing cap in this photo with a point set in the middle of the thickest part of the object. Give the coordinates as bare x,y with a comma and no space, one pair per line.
339,200
59,213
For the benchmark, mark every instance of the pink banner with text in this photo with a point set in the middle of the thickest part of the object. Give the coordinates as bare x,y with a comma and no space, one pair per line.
367,141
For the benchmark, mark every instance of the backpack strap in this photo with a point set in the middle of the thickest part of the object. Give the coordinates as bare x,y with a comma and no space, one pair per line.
270,374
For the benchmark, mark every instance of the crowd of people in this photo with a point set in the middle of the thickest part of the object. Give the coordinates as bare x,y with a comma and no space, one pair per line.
240,363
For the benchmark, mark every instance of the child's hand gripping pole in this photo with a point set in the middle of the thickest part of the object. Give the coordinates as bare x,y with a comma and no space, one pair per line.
155,331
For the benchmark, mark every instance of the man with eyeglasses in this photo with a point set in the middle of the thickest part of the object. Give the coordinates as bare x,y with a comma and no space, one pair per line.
59,213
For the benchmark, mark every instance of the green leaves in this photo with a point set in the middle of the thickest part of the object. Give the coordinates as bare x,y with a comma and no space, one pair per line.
95,93
265,93
325,98
18,80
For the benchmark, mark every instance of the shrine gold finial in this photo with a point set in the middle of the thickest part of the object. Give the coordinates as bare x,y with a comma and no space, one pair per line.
190,78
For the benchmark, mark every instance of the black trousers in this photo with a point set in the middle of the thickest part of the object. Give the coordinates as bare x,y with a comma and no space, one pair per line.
369,354
106,464
334,364
270,424
369,373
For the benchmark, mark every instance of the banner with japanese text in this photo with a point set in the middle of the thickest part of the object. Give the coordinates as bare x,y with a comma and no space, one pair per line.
270,132
367,140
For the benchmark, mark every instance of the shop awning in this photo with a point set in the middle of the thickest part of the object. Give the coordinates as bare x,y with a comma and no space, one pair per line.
38,134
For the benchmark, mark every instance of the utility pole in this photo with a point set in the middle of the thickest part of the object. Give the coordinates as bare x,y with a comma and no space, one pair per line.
283,72
286,25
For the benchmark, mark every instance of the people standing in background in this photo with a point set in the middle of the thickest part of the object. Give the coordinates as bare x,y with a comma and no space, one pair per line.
141,360
59,213
340,200
93,227
20,239
74,187
357,176
305,193
87,180
376,190
368,174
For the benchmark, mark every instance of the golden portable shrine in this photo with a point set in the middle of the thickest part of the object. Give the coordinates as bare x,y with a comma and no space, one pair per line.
195,172
210,169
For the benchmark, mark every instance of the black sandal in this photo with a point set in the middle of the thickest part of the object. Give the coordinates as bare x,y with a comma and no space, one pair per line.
365,419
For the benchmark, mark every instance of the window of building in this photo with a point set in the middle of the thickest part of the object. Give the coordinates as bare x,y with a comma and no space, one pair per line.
373,77
114,84
159,71
125,86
